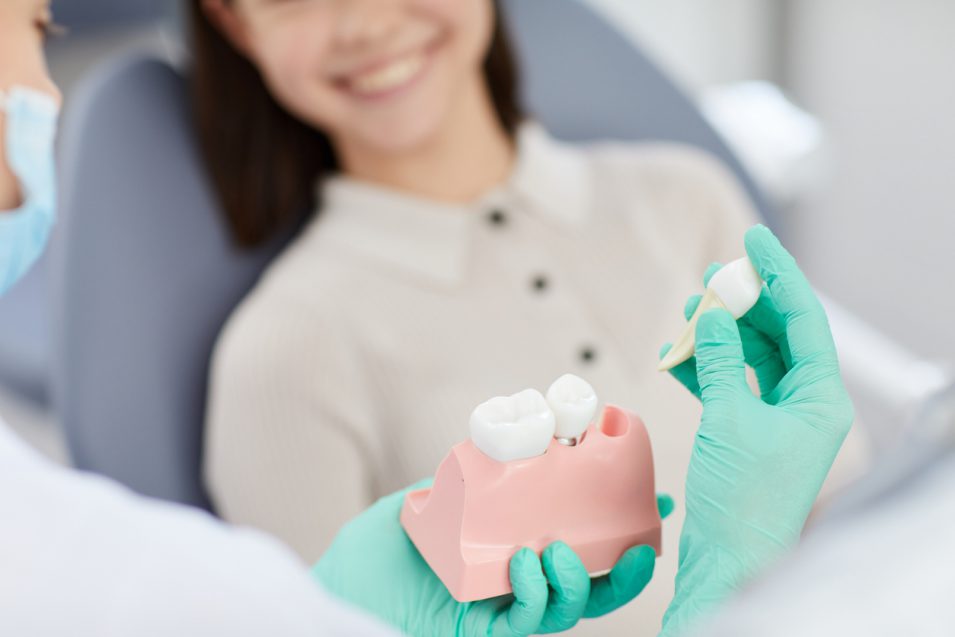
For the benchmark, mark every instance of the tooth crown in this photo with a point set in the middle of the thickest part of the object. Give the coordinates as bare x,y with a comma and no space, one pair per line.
513,427
738,286
574,403
598,497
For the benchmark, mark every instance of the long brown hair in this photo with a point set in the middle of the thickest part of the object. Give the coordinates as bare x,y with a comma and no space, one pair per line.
264,163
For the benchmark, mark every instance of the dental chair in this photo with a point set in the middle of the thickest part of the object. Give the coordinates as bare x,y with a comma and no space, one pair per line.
24,338
146,275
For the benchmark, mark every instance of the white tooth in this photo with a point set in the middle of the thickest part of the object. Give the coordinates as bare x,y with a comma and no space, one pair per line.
738,285
735,288
393,75
574,403
513,427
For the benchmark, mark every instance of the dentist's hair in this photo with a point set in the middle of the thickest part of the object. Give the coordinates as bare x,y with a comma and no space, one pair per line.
263,162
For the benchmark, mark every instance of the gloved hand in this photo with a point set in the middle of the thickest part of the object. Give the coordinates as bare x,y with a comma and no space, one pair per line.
373,565
758,463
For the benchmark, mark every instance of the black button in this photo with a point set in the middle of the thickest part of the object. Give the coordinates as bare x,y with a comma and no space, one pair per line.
540,283
497,218
588,354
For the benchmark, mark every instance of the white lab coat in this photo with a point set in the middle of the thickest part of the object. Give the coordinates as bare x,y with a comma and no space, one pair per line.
81,555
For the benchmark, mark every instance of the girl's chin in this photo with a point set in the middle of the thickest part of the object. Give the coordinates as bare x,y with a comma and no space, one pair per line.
396,139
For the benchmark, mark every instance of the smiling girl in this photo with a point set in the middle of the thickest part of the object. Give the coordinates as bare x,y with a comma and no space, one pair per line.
452,251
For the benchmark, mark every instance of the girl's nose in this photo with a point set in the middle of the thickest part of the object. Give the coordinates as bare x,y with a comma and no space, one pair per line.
366,21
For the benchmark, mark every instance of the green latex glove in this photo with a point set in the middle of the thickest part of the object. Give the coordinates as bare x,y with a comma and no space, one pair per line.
373,565
758,463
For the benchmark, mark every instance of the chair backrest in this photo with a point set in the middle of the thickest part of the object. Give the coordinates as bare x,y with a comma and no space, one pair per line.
584,80
25,335
145,278
146,272
96,14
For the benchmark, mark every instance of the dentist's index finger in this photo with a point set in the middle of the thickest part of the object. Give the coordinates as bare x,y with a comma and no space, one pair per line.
807,327
719,357
685,372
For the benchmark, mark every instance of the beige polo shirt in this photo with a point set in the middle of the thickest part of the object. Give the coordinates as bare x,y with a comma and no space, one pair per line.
353,366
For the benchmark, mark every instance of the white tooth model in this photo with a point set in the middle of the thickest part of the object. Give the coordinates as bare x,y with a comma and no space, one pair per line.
735,288
513,427
574,403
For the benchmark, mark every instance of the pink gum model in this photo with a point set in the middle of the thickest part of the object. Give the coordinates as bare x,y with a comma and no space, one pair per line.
598,497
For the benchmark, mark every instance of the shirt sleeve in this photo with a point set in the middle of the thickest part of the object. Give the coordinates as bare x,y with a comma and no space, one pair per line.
82,555
287,449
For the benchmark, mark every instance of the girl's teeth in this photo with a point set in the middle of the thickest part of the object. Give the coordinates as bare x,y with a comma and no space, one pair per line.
388,77
513,427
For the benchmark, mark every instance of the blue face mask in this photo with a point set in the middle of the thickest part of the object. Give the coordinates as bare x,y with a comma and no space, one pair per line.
31,119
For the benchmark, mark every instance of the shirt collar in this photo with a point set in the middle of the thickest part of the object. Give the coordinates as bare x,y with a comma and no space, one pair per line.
432,239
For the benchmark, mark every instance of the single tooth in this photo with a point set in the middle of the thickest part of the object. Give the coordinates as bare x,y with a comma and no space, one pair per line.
513,427
574,403
735,288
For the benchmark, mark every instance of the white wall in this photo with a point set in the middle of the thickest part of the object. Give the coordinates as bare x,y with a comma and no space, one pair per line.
881,74
702,42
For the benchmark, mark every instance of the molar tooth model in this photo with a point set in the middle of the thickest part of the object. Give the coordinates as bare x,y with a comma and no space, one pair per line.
528,477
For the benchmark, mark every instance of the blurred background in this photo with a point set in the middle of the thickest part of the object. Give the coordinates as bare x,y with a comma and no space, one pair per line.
873,227
841,110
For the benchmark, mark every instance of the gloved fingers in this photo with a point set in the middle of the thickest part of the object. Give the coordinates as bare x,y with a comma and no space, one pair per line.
712,269
569,588
529,588
764,356
807,327
628,578
691,304
766,317
719,357
685,372
665,505
761,351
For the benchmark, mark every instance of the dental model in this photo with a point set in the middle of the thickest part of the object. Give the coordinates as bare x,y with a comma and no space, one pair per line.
516,484
735,288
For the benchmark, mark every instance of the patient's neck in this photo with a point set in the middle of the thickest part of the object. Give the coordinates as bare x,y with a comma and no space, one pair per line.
470,154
